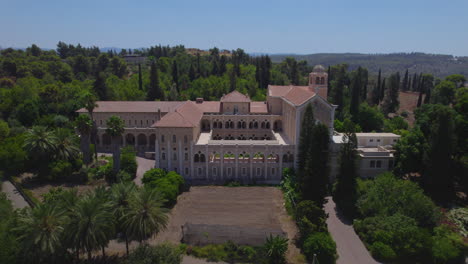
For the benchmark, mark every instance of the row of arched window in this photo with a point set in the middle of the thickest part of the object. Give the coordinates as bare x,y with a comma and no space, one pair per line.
320,80
243,158
241,137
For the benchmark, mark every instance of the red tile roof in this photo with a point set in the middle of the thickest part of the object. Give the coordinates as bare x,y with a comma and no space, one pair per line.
209,106
258,107
235,97
296,95
186,115
133,106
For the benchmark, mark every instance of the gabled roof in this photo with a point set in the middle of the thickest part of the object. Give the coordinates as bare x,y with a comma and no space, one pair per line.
186,115
297,95
133,107
235,97
209,106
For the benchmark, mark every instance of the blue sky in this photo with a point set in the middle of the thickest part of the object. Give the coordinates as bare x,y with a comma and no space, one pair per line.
313,26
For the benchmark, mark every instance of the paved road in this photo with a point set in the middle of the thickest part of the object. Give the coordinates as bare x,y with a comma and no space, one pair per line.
143,166
350,248
12,194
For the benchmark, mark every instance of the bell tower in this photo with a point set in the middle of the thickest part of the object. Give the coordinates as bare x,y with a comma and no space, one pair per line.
318,81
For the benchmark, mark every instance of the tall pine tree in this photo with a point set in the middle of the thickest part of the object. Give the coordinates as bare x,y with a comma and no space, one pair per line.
175,75
140,79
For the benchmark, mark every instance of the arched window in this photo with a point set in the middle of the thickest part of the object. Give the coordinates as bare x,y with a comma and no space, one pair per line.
162,138
215,124
322,80
163,156
227,124
255,125
244,124
196,158
267,125
202,158
220,124
263,125
285,158
251,125
317,80
239,124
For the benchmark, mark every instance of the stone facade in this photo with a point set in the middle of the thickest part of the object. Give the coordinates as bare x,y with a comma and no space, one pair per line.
214,142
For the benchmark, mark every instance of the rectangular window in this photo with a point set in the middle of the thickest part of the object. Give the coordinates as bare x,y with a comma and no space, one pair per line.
378,164
259,172
199,171
229,171
186,171
371,140
186,156
174,157
163,156
162,138
244,171
378,140
215,171
372,163
390,164
272,171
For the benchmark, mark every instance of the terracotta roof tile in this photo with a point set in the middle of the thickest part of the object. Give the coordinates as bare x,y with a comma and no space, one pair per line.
209,106
235,97
297,95
258,107
133,106
186,115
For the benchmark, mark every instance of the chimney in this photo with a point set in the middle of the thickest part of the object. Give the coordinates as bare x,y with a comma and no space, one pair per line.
199,100
159,113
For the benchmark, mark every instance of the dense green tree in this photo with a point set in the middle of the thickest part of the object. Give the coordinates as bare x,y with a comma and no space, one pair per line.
405,83
369,118
66,147
175,75
121,194
444,93
457,79
41,144
115,128
307,127
140,78
100,87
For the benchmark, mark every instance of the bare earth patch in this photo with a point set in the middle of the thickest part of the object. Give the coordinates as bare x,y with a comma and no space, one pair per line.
244,208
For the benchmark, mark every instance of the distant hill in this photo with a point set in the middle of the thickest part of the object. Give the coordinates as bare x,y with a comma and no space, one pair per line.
439,65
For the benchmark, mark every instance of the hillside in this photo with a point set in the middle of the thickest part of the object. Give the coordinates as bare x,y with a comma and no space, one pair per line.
439,65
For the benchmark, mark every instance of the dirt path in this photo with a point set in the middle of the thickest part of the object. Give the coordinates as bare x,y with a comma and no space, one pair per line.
350,248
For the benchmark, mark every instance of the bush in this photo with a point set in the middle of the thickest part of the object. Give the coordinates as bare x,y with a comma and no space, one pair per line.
60,169
322,245
382,252
124,176
160,254
275,249
168,184
128,161
309,219
447,246
227,252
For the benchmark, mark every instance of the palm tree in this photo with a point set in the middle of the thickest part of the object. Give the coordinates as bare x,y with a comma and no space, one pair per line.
41,229
40,143
145,216
115,128
121,194
84,126
89,101
91,224
66,147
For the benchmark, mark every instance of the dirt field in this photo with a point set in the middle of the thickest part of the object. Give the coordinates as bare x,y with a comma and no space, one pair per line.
408,103
249,207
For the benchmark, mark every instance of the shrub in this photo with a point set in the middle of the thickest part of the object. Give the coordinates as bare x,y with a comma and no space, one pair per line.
59,169
447,246
160,254
382,252
124,176
275,249
128,161
53,195
168,184
322,245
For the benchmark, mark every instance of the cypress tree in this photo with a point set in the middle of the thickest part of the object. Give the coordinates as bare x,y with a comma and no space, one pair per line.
344,194
355,93
294,73
199,73
140,80
427,98
315,178
232,81
175,75
191,73
222,65
437,178
100,87
154,90
415,82
405,81
382,89
420,98
307,126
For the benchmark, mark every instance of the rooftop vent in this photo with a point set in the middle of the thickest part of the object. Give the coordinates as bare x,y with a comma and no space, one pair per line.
199,100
